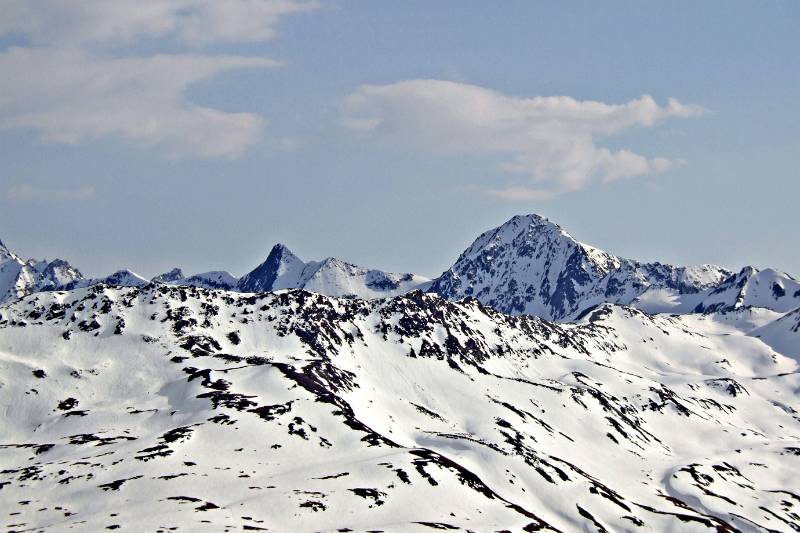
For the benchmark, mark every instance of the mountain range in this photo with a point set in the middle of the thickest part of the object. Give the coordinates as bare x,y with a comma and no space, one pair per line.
539,384
529,265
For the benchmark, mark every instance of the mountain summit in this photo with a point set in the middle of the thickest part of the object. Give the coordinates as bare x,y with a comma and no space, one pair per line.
530,265
280,270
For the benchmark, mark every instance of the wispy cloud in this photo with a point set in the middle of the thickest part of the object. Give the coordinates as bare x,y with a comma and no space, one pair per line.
30,193
551,141
75,83
70,96
192,22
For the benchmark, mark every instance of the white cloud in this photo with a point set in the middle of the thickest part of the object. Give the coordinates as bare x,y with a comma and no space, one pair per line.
549,140
30,193
73,80
68,95
194,22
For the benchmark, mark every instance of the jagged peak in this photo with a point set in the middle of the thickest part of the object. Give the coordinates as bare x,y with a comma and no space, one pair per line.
280,250
748,271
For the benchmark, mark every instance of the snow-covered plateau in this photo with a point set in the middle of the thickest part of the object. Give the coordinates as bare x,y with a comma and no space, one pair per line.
539,385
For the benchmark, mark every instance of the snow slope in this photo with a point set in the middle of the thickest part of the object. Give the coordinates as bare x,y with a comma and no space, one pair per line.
782,334
181,407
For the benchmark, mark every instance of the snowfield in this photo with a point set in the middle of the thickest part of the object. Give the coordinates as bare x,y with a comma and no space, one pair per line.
182,408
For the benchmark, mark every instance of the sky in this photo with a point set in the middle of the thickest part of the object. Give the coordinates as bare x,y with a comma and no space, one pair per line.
198,133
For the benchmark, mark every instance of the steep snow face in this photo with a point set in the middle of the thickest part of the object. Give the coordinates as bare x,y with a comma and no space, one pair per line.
284,270
180,407
783,334
753,288
530,265
215,279
19,277
337,278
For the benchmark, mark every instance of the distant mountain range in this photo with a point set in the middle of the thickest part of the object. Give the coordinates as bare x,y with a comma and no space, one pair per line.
529,265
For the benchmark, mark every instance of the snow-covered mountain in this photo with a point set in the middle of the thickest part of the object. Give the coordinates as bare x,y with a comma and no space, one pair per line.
20,277
182,408
753,288
284,270
530,265
215,279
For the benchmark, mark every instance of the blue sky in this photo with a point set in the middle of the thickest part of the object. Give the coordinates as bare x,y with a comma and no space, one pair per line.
390,134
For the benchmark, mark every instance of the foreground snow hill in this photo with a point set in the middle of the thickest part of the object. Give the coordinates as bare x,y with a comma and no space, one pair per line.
174,408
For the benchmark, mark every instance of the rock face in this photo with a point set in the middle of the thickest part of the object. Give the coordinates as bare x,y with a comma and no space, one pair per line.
530,265
177,407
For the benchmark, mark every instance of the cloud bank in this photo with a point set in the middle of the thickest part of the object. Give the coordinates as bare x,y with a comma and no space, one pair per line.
73,81
551,141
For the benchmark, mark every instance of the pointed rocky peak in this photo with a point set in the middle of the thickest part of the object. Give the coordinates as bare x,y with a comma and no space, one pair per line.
58,273
176,274
527,265
281,269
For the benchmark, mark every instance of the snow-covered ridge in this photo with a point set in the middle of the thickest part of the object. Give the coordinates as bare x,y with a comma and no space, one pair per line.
529,265
281,270
163,407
